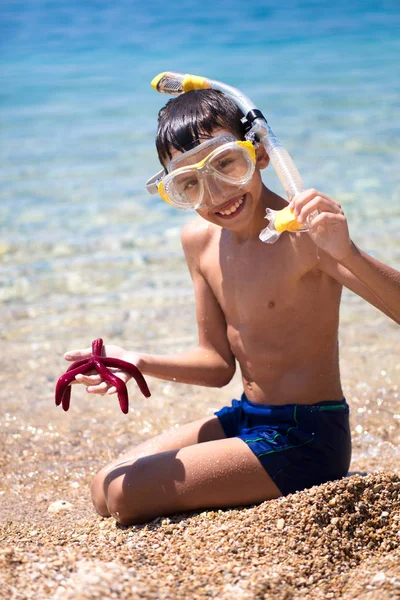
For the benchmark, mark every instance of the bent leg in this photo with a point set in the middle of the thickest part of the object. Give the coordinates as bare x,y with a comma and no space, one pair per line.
215,474
196,432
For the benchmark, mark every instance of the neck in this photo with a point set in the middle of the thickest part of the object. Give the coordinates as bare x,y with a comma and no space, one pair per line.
258,222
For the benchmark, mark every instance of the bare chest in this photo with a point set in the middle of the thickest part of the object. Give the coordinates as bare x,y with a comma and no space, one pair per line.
255,282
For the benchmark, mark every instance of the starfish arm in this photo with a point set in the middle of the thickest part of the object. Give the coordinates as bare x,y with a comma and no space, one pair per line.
66,398
131,369
115,381
66,379
97,346
79,363
62,384
71,374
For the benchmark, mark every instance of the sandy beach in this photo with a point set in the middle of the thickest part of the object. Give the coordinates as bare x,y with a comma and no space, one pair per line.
337,540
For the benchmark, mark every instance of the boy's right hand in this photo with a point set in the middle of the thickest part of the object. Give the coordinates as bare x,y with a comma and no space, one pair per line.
94,383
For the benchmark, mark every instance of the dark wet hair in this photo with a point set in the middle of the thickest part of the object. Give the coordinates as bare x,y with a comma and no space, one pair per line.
198,113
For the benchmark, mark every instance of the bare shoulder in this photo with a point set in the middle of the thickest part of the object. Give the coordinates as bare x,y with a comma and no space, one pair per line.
196,236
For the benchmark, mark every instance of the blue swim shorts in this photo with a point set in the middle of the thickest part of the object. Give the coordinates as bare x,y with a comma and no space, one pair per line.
298,445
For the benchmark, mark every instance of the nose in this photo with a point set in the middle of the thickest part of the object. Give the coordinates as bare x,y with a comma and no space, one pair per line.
216,191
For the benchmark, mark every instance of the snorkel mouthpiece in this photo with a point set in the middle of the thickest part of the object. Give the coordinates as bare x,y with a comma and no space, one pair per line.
175,84
280,221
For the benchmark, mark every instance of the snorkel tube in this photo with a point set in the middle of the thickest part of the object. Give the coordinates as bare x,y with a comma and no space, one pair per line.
175,84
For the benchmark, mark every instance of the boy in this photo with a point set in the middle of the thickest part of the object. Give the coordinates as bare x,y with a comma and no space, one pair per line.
273,309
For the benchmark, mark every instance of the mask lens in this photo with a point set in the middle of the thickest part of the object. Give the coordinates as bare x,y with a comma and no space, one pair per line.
231,164
184,188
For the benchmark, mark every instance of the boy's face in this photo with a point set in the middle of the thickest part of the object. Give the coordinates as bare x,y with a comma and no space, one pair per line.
225,202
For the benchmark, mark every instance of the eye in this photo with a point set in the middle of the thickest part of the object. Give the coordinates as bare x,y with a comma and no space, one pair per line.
225,163
189,184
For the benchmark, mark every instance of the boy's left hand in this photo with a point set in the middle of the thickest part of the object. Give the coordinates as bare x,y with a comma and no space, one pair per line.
328,229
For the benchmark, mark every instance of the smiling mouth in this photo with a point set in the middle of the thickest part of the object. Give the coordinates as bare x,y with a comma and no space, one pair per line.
231,208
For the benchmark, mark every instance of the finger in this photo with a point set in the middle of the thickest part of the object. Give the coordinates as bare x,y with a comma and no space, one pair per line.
77,354
327,218
98,389
89,379
317,205
300,200
112,390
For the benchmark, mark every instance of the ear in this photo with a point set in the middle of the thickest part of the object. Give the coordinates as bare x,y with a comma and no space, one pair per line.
262,157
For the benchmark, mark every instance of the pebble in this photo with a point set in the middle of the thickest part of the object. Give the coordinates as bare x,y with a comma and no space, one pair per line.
378,579
280,524
59,505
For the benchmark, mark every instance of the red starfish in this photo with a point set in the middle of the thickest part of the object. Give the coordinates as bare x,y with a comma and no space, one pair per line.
100,363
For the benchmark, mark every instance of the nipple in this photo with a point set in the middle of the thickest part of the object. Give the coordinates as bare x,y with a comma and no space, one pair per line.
280,221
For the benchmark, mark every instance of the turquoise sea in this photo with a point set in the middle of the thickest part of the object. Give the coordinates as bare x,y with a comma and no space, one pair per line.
78,118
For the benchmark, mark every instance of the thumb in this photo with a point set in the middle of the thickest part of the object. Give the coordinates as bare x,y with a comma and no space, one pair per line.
78,354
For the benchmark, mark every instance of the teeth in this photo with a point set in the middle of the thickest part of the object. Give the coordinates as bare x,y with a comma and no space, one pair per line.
232,209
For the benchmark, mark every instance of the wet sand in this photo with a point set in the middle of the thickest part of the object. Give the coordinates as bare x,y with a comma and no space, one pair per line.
337,540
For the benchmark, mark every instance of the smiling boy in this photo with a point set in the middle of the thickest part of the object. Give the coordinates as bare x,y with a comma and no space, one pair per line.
273,310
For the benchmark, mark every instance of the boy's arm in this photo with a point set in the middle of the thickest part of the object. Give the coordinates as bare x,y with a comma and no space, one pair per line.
202,365
211,363
369,278
341,259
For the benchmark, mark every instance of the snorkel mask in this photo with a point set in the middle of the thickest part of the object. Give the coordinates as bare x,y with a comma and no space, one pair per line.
209,174
171,187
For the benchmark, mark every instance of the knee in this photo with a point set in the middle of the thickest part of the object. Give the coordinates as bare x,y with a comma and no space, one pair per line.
130,496
125,508
111,497
98,493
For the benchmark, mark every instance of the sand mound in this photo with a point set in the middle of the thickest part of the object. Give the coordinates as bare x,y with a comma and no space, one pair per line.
337,540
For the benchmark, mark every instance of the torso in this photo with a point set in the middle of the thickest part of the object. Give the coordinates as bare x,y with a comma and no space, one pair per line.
281,314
